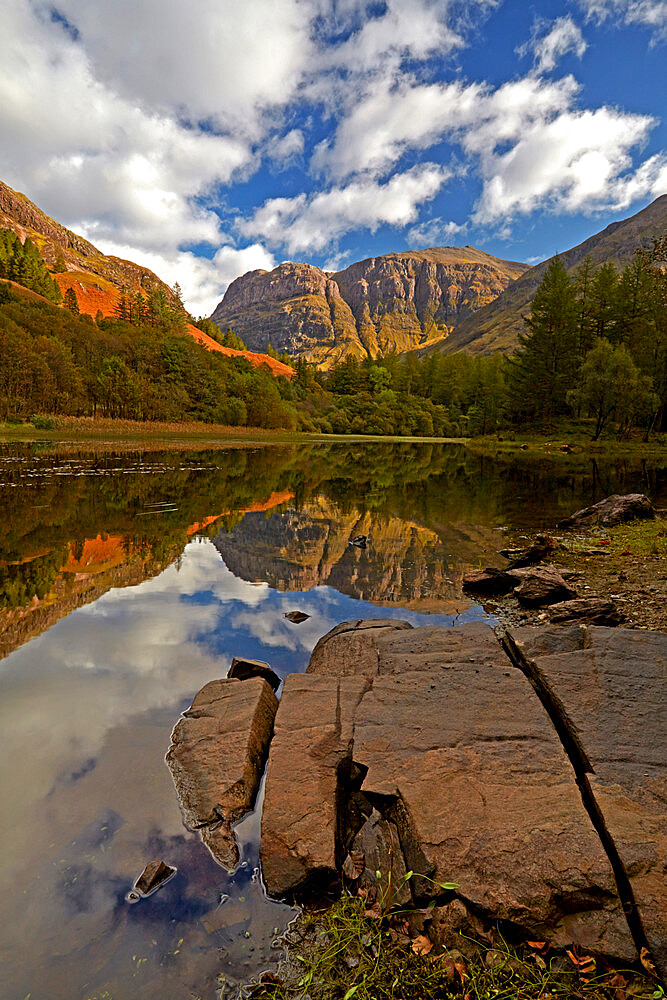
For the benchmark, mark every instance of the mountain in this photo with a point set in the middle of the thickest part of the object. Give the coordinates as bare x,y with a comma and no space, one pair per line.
98,279
397,302
496,326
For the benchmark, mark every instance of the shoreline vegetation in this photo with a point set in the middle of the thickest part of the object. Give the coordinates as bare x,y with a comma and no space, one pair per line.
564,438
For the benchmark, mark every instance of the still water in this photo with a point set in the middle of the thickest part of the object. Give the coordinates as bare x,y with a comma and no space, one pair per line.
129,580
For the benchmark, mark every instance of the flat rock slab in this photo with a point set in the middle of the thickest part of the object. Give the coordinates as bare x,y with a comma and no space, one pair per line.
446,738
387,647
608,687
311,752
588,610
217,755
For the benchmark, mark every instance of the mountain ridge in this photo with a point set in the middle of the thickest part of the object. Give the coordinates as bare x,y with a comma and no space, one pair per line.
99,280
392,302
496,326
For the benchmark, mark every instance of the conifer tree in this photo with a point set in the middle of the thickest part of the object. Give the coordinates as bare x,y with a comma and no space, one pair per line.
70,301
547,361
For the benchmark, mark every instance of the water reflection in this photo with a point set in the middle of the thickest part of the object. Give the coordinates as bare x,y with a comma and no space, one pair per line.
107,563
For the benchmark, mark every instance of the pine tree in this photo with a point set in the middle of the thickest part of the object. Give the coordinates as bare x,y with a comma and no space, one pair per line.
547,361
70,301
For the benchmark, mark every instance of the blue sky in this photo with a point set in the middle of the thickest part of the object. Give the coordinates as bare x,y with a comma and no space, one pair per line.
212,138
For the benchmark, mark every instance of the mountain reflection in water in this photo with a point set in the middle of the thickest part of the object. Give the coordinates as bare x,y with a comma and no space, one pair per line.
106,564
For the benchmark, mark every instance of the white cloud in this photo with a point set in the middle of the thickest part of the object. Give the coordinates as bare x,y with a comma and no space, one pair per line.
433,232
550,42
202,280
527,140
648,13
574,161
283,149
313,223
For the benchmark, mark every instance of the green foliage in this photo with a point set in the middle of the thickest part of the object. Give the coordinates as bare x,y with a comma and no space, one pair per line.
342,953
22,263
55,362
611,387
70,301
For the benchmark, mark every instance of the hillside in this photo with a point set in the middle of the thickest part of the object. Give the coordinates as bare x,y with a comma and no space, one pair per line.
396,302
496,326
99,280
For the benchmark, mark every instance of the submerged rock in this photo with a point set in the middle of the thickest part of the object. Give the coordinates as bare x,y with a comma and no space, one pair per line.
216,758
612,510
488,581
154,875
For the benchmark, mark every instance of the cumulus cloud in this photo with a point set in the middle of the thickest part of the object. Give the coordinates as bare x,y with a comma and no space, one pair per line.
527,139
550,42
131,122
311,223
202,279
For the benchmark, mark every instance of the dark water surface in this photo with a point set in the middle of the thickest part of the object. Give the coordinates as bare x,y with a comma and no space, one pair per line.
127,581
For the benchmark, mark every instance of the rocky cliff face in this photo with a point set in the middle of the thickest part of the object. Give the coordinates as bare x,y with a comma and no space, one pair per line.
392,303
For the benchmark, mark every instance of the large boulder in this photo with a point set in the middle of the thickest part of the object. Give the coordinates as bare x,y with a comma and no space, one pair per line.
539,586
445,739
610,511
605,688
216,758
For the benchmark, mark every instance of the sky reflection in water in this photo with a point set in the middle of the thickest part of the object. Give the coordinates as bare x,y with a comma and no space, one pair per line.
87,709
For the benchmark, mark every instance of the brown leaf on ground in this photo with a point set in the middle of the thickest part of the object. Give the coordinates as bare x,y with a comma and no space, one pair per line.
647,962
462,970
537,945
618,982
422,945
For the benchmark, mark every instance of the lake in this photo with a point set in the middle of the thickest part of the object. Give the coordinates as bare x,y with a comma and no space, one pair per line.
127,581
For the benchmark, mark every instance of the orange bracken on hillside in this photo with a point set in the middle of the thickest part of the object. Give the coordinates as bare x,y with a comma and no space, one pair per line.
95,294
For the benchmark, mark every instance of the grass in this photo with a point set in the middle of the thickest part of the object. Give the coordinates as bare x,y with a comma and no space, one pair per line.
341,953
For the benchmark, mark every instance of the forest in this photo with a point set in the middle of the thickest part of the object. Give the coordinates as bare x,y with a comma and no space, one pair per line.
594,349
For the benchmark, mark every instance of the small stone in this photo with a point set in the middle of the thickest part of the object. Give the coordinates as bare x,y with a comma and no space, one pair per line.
243,669
296,616
154,875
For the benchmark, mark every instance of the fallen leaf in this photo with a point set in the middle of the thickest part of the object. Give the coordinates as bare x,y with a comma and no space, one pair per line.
537,945
462,970
645,959
422,945
618,982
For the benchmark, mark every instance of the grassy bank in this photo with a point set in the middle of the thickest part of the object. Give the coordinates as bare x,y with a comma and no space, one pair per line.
341,953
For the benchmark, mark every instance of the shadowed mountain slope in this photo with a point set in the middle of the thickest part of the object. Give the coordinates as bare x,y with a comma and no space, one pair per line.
496,326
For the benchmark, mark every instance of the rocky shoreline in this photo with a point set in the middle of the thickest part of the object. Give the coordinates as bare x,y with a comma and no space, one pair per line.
510,783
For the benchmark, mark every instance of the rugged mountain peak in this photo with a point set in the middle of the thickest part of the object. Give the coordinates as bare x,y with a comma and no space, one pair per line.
394,302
